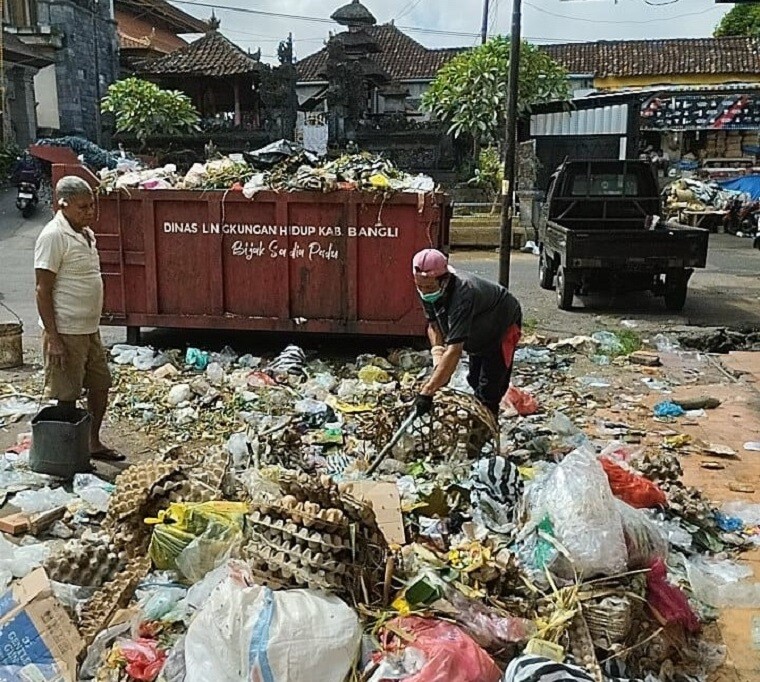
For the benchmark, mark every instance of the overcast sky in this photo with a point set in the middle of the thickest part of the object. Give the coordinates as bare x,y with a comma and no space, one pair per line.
543,20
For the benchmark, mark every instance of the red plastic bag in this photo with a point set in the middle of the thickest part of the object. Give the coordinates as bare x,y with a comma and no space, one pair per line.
522,401
633,489
450,654
144,660
667,602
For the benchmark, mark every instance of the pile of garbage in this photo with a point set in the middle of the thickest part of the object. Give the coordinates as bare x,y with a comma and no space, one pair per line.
88,152
698,195
280,166
256,545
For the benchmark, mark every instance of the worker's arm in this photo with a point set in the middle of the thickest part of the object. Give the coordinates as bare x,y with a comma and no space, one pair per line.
45,283
435,335
445,370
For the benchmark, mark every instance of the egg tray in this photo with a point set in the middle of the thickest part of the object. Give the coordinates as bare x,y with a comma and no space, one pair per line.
286,571
292,553
271,528
308,514
85,563
134,488
98,611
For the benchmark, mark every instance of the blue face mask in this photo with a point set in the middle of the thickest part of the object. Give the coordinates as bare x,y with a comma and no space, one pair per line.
431,297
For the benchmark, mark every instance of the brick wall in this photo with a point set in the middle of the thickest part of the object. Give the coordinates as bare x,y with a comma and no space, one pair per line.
88,62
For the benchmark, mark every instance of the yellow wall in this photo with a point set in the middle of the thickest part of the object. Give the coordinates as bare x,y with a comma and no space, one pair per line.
614,83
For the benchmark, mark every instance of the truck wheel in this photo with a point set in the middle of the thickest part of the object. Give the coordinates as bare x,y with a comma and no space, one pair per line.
565,289
545,272
675,293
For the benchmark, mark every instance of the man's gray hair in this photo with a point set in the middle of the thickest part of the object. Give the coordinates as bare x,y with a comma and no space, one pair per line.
69,187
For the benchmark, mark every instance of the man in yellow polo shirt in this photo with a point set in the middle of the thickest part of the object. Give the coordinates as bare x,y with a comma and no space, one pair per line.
70,301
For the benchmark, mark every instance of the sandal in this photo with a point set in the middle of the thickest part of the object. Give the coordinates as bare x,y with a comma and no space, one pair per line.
107,455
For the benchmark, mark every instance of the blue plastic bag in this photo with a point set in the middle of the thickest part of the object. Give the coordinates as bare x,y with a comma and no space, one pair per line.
668,409
197,359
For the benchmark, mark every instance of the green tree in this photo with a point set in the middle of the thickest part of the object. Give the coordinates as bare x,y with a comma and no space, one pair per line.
742,20
470,92
143,109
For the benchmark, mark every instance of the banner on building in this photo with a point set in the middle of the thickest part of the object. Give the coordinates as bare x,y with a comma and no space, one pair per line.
701,112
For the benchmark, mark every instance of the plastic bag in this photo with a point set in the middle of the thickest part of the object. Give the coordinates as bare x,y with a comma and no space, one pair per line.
94,491
632,488
578,500
450,654
197,359
666,345
722,584
43,500
668,408
181,524
488,629
370,374
522,401
245,631
747,512
643,540
21,560
144,659
608,342
668,603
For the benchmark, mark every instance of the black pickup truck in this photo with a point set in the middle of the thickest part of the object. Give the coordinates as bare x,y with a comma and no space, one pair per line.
600,231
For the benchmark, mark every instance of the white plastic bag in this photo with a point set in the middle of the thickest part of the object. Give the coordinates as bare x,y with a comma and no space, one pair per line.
245,631
577,497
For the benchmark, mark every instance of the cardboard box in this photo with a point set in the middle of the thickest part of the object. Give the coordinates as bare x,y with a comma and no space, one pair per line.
38,641
386,503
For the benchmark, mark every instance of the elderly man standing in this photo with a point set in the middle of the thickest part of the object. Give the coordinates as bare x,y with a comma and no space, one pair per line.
466,313
70,301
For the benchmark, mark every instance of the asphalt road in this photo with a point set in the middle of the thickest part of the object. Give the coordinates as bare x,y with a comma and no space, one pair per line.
726,293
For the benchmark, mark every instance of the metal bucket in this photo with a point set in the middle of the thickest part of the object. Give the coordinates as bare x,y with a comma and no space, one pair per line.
11,350
60,442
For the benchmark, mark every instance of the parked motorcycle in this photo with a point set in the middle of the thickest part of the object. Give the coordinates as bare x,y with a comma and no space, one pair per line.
27,177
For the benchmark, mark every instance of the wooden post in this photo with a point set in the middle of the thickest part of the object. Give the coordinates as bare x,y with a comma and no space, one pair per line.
238,113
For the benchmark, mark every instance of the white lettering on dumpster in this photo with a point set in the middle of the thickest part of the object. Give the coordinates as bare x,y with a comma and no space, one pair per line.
318,241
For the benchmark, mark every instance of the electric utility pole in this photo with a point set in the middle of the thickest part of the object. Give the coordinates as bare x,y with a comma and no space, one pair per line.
484,27
510,147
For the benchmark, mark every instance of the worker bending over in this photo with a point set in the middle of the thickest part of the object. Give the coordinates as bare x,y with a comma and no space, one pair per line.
466,313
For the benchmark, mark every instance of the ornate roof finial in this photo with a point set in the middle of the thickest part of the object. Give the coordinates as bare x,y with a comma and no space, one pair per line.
213,22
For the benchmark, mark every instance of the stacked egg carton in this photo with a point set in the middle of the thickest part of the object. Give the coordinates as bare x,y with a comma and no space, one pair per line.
316,537
87,562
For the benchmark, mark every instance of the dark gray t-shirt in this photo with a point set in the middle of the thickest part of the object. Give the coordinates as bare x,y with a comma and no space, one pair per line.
474,311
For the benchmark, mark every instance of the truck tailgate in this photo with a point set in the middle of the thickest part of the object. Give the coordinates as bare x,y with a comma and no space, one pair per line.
675,247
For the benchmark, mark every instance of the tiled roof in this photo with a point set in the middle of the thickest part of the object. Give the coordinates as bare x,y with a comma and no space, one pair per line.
211,55
402,57
170,16
127,42
659,57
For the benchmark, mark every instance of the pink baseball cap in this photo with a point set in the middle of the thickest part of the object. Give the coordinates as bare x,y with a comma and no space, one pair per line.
431,263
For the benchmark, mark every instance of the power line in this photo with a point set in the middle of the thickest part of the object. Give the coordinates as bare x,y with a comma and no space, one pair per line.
606,21
411,6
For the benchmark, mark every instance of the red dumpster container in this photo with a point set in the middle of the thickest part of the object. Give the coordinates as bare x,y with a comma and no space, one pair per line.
303,261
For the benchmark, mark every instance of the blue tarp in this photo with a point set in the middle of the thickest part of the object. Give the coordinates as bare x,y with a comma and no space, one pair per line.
748,184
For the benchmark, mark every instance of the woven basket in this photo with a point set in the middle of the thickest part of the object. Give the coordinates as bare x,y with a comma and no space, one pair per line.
609,620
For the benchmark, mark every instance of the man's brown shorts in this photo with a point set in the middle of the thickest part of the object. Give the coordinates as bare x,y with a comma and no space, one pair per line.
84,366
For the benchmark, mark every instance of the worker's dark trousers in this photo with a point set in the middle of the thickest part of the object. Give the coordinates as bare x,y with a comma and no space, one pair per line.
491,372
